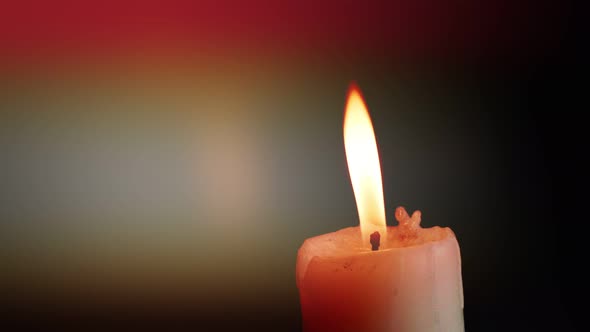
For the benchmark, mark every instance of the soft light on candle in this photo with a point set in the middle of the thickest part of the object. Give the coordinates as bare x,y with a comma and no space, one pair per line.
362,157
376,278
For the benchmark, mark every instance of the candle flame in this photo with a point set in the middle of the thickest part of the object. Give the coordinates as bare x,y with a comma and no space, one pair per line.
363,165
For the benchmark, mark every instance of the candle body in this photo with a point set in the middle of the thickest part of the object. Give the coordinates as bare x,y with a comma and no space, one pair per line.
346,287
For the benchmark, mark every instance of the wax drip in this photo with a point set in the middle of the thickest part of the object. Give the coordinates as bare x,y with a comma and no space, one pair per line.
408,226
375,240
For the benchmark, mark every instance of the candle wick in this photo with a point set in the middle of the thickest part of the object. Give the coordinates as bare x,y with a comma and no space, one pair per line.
375,240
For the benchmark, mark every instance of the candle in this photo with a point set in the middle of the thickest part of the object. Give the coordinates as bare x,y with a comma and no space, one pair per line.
401,278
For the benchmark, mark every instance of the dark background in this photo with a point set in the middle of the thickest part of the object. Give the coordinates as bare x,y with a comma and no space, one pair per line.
162,164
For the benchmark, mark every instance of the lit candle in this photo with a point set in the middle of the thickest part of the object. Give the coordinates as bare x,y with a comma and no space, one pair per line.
401,278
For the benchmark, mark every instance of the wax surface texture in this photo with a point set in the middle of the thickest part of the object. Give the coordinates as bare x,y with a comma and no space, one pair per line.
412,284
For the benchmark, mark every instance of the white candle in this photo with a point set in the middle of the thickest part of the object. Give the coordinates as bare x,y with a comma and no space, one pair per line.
376,278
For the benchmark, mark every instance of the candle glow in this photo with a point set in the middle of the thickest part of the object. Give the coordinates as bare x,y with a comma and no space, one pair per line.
409,280
362,157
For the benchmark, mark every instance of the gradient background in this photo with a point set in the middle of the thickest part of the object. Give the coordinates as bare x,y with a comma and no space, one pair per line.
162,162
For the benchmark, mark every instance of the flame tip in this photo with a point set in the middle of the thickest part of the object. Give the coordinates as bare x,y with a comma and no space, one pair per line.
353,88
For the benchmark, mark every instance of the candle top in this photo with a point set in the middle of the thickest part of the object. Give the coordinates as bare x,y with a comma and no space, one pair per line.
408,235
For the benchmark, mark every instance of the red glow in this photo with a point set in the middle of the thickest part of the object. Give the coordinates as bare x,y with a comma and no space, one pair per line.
41,29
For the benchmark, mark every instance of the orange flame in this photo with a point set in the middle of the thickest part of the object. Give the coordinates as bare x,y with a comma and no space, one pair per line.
363,165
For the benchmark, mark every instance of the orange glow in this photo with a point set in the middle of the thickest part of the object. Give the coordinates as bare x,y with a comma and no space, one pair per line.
363,165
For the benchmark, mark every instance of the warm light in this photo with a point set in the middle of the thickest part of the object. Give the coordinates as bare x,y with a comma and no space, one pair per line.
363,165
